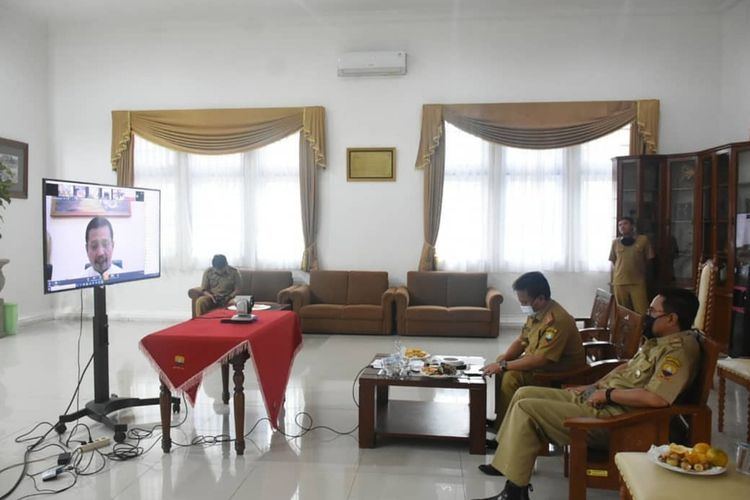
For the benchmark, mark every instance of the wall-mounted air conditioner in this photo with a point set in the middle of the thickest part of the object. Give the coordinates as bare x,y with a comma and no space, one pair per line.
372,63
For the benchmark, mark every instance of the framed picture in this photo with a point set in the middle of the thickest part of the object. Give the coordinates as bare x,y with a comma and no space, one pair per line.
371,164
14,156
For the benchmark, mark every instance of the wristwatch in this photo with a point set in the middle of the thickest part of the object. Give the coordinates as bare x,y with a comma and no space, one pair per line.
503,365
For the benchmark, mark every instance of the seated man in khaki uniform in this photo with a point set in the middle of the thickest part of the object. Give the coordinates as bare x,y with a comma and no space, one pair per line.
664,366
220,284
549,341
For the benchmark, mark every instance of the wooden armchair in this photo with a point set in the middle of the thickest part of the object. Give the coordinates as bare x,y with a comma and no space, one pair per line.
618,341
601,311
637,430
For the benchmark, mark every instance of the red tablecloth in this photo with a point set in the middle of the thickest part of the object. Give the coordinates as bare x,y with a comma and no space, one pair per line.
184,352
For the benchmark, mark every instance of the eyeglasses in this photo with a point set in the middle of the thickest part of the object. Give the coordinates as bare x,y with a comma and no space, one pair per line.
651,311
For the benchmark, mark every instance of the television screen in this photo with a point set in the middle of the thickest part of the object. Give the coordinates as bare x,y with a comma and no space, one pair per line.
95,234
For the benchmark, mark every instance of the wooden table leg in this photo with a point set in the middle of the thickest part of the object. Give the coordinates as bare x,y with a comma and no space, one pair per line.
225,383
367,414
165,408
238,362
382,395
477,412
722,395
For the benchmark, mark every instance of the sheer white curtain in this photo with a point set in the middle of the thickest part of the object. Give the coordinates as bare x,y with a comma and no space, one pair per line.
510,209
244,205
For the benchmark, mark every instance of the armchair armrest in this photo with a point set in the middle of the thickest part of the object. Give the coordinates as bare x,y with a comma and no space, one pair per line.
493,299
401,302
285,295
594,333
298,296
388,303
632,417
195,292
581,375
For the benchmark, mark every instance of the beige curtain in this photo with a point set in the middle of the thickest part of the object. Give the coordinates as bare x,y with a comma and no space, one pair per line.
541,125
225,131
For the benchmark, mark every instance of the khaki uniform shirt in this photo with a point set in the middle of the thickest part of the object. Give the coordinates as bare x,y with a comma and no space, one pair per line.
552,333
630,261
221,284
663,365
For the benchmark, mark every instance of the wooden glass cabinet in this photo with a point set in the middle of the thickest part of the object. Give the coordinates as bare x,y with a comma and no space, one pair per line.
693,207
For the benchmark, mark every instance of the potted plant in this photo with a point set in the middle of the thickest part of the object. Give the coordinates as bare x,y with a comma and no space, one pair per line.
6,180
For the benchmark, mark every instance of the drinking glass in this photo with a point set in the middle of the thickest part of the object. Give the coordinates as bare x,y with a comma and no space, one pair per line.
743,457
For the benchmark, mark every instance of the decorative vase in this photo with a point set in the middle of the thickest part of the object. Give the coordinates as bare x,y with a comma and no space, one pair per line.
2,276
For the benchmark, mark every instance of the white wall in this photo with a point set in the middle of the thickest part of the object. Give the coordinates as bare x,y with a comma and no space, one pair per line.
100,67
24,115
735,90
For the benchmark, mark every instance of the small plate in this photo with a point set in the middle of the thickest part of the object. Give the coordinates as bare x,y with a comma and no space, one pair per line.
423,358
261,307
426,372
655,452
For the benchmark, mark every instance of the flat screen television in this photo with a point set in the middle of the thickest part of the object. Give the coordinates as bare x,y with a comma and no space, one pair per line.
97,234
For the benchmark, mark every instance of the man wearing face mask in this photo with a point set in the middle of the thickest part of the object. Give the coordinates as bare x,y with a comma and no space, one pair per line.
549,341
663,368
631,256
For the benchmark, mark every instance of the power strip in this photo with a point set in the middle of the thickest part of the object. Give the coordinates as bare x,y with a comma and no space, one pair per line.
96,443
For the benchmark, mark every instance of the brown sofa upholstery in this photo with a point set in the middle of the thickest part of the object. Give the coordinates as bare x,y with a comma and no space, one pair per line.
264,286
345,302
448,304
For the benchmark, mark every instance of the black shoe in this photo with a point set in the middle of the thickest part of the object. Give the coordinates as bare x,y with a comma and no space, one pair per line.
511,492
489,470
491,444
489,423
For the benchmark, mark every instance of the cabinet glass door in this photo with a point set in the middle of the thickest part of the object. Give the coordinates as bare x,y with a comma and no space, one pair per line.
722,215
629,189
707,247
742,238
647,221
679,246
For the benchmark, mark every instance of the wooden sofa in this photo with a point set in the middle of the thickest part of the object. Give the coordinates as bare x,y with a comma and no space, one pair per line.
345,302
447,304
264,286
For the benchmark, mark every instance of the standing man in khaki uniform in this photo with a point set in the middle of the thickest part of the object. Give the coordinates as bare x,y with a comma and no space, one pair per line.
631,256
664,366
220,284
549,341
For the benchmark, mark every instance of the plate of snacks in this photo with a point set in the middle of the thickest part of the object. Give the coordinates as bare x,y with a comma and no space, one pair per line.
439,371
416,353
700,460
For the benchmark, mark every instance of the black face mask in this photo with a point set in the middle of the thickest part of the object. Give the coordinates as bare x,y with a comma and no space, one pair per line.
648,325
627,240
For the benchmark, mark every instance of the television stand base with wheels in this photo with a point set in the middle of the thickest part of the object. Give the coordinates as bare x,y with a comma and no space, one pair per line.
100,413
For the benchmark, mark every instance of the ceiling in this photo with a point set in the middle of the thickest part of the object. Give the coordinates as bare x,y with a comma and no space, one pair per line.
76,11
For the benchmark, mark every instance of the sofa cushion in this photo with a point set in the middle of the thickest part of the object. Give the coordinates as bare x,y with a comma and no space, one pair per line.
448,314
366,287
328,287
321,311
466,289
266,285
362,311
426,288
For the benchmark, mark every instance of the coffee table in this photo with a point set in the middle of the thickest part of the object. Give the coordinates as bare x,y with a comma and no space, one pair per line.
379,416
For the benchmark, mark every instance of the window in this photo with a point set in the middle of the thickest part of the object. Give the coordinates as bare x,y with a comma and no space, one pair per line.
510,209
244,205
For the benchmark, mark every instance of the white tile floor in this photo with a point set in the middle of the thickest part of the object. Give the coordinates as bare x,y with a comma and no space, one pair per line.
38,374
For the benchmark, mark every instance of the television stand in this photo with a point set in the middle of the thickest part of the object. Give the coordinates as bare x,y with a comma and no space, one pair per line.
105,403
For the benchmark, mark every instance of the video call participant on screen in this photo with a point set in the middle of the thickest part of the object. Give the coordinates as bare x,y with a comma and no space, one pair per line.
99,246
220,284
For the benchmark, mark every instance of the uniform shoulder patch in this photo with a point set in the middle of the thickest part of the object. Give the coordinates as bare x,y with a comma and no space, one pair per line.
550,334
669,367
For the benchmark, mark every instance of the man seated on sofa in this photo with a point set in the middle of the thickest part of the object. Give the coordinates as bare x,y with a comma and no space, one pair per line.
664,366
220,284
549,341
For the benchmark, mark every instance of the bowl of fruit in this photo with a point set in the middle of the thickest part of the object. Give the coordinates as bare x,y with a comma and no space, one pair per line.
700,460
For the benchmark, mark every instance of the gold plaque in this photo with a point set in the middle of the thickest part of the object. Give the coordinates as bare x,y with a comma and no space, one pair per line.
371,164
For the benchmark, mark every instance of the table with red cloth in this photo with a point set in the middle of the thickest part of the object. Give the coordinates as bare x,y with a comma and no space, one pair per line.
183,353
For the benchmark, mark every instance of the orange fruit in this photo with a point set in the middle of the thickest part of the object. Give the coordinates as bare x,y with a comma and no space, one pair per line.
717,457
701,447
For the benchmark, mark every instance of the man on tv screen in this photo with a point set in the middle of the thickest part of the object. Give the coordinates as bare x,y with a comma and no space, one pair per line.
99,246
